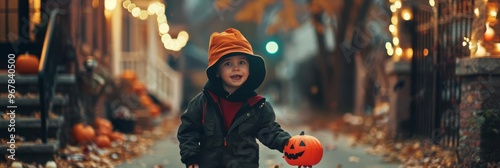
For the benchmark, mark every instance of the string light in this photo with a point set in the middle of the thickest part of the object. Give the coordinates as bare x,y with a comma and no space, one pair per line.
158,9
393,47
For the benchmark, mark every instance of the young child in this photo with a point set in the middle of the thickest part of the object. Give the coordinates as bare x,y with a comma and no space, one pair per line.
221,124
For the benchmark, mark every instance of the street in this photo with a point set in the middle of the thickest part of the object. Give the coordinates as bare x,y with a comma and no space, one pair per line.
337,152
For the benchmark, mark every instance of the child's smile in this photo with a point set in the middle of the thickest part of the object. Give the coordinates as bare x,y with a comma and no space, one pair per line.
236,77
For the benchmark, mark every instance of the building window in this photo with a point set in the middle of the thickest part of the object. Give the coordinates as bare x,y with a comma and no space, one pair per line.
9,20
12,18
35,16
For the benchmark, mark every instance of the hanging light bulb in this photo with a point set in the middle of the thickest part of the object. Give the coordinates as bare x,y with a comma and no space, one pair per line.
489,34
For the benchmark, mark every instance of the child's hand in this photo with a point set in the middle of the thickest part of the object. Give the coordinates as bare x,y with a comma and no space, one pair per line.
193,166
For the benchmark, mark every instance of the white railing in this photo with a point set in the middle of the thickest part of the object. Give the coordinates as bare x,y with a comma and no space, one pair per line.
159,78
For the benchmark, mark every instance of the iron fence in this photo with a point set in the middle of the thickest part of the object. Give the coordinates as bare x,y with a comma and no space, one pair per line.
441,33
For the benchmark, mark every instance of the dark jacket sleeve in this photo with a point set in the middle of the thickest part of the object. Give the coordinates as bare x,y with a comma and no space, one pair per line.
270,132
190,130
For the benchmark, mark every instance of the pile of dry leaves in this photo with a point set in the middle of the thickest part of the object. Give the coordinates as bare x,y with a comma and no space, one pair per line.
90,155
372,130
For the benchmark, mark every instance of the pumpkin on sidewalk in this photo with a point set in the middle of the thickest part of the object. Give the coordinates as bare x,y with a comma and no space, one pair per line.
303,151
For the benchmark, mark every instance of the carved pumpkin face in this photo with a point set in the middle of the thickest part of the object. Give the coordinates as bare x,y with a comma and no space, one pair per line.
303,150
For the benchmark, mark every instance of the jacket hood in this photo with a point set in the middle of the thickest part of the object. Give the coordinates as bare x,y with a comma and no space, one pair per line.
229,43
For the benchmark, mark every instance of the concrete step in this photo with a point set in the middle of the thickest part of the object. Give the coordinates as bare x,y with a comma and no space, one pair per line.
56,101
31,123
29,152
29,128
63,79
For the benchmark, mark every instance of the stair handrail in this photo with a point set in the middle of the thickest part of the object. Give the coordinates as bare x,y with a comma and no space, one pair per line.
47,70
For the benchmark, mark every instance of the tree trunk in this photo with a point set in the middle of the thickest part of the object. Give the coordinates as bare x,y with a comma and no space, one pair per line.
361,80
350,41
322,64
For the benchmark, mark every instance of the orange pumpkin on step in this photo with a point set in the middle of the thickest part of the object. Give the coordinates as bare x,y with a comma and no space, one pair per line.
139,89
83,133
116,136
104,127
102,141
27,64
129,75
303,150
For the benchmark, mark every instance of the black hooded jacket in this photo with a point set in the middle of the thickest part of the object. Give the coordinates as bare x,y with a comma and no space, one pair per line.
204,140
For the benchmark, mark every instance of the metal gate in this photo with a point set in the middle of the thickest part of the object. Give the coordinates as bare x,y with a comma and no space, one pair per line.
440,37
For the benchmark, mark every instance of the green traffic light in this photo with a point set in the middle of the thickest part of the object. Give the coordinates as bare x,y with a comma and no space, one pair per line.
272,47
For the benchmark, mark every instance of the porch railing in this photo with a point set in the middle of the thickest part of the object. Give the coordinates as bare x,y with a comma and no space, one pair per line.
160,79
48,69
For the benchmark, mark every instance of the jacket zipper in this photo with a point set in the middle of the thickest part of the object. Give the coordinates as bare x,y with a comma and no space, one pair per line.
221,120
223,123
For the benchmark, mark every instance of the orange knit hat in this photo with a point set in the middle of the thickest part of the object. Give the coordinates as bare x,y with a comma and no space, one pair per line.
232,42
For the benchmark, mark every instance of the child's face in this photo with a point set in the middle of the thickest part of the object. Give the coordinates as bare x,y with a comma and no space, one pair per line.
234,72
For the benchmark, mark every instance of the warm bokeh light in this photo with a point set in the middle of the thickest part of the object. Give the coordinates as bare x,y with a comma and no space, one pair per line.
426,52
110,4
432,3
393,8
152,8
397,4
497,47
183,36
131,7
165,38
158,9
395,40
409,53
388,45
399,51
126,4
390,52
144,15
394,20
493,13
489,34
406,14
95,3
164,28
136,11
161,18
392,28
